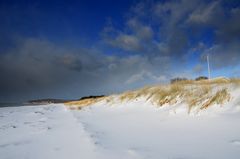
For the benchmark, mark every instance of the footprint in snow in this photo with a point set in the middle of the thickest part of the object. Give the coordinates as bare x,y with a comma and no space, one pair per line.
19,143
4,127
39,112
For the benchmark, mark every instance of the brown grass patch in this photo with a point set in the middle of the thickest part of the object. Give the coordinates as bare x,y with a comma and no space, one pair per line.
83,103
128,96
194,93
167,95
219,98
235,81
157,94
197,95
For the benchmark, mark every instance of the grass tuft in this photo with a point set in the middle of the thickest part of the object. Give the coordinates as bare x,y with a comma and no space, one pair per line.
219,98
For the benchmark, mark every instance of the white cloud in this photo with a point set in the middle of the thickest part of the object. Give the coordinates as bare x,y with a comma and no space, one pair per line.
127,42
205,13
143,32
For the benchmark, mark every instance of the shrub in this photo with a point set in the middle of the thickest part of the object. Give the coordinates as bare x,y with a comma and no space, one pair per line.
201,78
92,97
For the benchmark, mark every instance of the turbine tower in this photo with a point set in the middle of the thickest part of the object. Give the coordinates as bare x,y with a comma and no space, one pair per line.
209,72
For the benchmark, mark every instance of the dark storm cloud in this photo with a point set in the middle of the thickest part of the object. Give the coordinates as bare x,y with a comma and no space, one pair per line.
224,21
224,55
229,30
38,68
225,50
174,28
158,27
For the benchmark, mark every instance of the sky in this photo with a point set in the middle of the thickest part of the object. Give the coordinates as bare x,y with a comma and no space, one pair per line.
69,49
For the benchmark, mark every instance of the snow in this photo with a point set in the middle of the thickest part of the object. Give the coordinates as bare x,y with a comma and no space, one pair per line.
135,130
42,132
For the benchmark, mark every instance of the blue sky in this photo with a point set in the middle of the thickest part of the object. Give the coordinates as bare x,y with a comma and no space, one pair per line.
69,49
59,20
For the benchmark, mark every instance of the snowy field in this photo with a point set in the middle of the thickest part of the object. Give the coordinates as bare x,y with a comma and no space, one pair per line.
116,132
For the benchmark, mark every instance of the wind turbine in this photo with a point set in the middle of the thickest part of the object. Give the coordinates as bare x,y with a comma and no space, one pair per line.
209,72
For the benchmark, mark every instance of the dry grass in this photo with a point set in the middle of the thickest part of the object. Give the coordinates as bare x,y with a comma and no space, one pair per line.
128,96
157,94
83,103
167,95
235,81
194,93
163,94
219,98
197,94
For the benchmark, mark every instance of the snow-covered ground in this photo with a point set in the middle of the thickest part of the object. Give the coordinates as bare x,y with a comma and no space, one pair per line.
44,132
135,131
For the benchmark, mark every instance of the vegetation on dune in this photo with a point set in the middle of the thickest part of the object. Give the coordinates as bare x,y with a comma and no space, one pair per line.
196,96
91,97
219,98
199,93
83,102
196,93
201,78
167,95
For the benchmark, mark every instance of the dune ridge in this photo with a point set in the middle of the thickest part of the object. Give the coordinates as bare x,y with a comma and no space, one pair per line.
198,95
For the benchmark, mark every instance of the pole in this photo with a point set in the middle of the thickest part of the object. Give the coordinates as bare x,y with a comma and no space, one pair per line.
209,73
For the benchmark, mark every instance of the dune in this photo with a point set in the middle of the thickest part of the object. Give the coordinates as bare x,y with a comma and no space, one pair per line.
195,95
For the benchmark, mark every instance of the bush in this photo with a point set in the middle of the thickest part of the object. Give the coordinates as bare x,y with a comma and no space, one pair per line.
201,78
92,97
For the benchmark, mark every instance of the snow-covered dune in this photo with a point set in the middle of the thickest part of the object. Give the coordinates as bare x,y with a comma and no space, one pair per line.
132,125
192,97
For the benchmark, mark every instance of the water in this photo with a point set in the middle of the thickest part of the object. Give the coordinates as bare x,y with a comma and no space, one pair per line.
5,104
